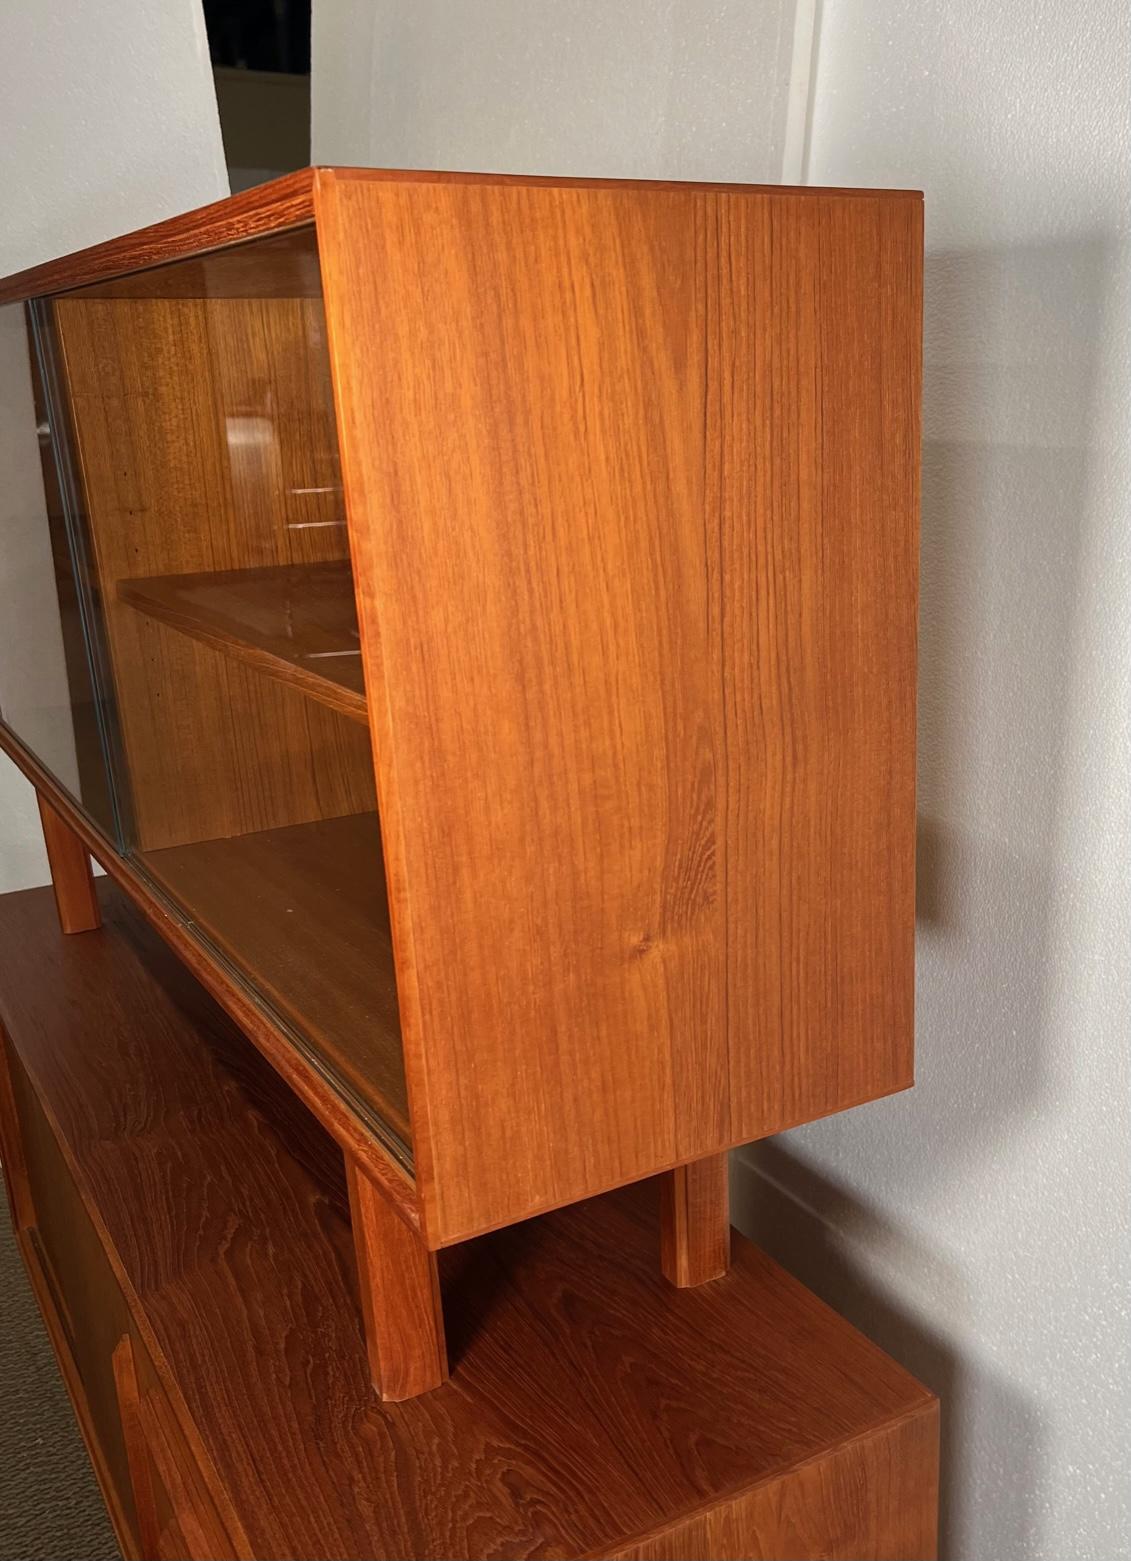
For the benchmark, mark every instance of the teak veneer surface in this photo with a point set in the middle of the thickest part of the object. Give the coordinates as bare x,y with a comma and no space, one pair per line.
592,1410
302,911
297,623
632,477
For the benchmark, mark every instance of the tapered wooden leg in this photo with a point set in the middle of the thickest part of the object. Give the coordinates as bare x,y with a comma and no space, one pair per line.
400,1296
75,899
695,1222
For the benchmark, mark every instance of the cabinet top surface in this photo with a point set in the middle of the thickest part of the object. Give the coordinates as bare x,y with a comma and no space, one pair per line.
290,201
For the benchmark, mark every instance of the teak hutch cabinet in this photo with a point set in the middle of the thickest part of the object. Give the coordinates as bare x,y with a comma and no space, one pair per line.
474,618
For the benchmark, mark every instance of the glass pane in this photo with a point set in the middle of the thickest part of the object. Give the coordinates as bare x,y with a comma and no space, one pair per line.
46,687
203,426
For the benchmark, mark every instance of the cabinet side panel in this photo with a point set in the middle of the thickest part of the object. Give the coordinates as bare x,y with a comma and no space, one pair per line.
875,1499
816,377
520,378
632,481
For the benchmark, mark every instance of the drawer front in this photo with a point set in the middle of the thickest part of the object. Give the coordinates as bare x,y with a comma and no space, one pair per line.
90,1308
156,1492
177,1515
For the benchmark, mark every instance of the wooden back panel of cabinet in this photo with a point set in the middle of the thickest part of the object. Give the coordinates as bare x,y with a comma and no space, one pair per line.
195,425
632,477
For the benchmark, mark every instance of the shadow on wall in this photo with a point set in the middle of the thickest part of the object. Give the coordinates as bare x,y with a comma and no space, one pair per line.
857,1262
1014,343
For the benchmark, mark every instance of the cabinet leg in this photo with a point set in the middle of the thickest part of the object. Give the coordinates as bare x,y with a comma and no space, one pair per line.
400,1296
71,877
695,1221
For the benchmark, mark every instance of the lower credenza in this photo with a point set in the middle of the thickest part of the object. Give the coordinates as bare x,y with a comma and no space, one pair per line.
186,1229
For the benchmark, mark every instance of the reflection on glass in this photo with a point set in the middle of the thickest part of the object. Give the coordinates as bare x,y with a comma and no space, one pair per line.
210,516
46,689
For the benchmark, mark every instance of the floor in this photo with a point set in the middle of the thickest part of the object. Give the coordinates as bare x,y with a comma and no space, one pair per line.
50,1508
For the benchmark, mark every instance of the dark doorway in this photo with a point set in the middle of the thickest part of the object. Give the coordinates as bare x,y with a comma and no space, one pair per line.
261,65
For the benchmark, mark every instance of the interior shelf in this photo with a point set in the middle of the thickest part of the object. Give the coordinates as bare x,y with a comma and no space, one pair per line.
294,622
302,911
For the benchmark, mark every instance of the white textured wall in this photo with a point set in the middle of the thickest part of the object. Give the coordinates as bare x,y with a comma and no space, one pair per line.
678,89
107,121
979,1226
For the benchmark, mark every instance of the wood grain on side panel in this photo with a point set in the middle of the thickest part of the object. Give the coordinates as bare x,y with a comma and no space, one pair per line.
634,536
814,427
875,1499
519,374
